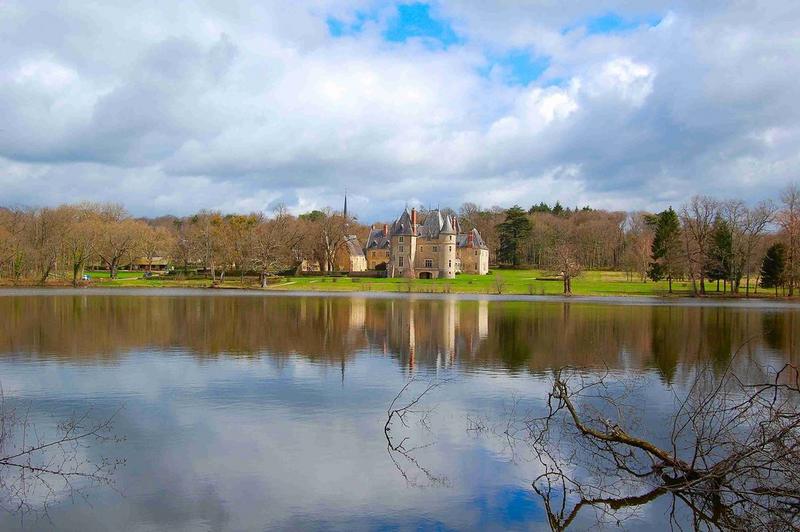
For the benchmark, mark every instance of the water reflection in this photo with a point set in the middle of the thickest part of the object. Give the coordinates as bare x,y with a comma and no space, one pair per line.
475,335
250,412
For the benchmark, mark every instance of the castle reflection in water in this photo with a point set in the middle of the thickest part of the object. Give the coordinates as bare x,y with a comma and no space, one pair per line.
417,332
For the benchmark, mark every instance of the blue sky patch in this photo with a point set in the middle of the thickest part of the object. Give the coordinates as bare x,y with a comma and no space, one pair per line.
614,23
520,67
341,28
415,21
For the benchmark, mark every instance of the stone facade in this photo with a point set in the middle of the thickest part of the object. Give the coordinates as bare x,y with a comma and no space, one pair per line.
433,249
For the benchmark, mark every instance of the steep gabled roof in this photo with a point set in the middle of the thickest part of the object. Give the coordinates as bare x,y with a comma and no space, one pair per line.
353,246
377,240
463,239
403,225
432,225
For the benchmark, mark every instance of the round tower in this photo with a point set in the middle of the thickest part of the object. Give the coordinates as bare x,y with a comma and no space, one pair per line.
447,250
404,245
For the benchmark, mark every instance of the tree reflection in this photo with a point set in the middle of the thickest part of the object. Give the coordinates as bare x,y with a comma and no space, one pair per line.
39,467
407,408
514,335
732,455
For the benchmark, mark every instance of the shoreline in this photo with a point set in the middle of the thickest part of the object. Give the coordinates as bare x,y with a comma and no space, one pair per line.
198,291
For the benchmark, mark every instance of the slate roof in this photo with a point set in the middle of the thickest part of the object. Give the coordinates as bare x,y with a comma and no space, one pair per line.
402,226
377,240
353,246
434,224
447,227
462,240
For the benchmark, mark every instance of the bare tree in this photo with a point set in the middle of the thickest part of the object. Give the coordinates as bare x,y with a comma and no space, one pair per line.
155,242
789,220
36,470
401,451
79,237
563,253
638,244
698,217
748,226
118,236
733,456
273,241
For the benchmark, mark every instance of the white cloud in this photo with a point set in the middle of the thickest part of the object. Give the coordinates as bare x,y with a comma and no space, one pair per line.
240,105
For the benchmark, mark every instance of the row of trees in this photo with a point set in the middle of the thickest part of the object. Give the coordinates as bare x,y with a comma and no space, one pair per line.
727,242
65,241
704,240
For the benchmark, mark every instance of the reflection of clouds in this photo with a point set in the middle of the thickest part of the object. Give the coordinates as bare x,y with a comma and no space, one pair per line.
233,441
286,434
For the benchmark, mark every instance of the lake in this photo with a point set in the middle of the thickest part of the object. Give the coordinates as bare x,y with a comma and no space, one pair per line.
246,411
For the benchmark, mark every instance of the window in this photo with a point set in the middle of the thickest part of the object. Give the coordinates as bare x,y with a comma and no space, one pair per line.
401,239
435,248
400,261
387,253
476,252
428,263
449,263
451,248
451,238
401,249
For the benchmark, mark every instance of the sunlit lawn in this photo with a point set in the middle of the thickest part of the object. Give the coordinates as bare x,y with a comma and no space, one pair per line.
530,282
527,282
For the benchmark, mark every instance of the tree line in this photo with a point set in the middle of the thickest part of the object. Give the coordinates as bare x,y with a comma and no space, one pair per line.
728,243
735,246
39,244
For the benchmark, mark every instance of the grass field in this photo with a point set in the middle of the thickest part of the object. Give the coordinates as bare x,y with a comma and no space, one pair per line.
527,282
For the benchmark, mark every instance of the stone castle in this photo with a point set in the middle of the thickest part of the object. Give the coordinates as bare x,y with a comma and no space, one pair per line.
433,249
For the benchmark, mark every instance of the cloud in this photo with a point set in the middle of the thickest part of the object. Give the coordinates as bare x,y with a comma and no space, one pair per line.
240,105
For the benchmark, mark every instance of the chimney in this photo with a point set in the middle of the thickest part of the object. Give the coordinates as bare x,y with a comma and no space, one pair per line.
413,216
470,240
385,229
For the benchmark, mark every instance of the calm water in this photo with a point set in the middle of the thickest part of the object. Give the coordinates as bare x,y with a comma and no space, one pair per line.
252,412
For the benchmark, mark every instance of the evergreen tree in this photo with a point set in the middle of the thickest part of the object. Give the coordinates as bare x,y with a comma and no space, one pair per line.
542,207
720,256
558,210
513,232
773,267
665,251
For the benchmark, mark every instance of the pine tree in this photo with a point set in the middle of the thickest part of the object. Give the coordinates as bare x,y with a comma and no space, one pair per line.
773,267
513,232
666,246
719,267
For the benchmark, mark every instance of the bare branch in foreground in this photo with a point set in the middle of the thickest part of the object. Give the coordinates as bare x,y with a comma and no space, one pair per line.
398,447
38,469
733,457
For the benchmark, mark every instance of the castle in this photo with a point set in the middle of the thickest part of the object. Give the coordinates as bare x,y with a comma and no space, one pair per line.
435,248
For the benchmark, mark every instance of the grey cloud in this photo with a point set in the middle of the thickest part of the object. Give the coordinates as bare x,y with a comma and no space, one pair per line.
242,105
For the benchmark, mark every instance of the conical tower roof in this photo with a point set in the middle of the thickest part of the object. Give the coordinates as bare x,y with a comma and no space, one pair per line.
447,227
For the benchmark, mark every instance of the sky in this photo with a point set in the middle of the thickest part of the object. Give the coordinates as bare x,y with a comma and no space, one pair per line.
172,107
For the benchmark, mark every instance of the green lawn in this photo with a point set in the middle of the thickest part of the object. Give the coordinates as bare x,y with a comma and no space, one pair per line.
527,282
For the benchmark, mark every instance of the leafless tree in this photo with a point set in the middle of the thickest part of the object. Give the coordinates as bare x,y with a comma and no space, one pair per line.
407,409
789,220
733,456
747,226
698,217
39,467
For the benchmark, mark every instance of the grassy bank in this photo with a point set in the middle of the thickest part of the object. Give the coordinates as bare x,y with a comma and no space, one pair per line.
528,282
